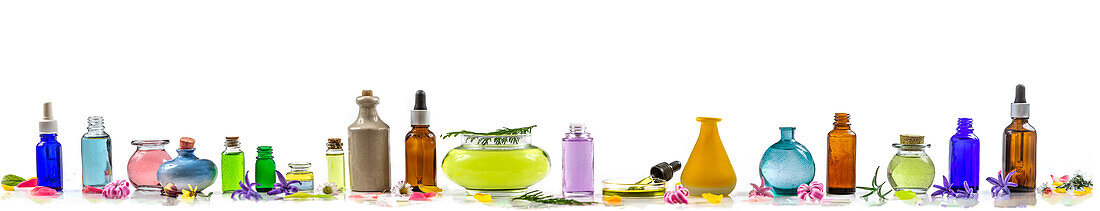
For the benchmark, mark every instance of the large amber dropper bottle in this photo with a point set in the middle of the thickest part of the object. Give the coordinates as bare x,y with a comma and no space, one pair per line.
1019,145
420,146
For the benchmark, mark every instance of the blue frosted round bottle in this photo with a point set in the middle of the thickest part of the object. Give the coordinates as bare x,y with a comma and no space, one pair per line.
186,170
965,156
786,164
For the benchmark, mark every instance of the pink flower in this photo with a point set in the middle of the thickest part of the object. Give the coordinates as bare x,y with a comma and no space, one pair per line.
43,191
117,189
814,192
677,196
1063,179
760,192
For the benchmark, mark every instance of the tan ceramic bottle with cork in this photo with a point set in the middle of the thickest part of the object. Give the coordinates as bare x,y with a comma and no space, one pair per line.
369,148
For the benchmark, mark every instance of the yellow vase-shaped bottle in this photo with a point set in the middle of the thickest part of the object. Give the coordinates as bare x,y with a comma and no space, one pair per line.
709,170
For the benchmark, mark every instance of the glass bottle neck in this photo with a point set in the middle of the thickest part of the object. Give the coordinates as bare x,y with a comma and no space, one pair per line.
232,149
95,127
786,134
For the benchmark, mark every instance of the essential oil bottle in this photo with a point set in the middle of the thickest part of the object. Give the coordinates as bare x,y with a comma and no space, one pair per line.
335,159
420,146
577,162
841,170
232,165
48,152
1019,145
265,169
95,154
787,164
911,168
300,171
965,156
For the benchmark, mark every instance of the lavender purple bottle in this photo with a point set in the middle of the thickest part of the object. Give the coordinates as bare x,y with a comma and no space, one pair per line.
577,162
965,154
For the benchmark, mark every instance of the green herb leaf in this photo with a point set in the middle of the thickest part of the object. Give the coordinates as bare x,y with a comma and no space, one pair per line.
500,136
12,180
538,197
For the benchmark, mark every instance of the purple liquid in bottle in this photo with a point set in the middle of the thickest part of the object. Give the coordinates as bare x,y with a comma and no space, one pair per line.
577,162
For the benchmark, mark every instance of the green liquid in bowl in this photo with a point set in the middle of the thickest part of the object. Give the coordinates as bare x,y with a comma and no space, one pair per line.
489,170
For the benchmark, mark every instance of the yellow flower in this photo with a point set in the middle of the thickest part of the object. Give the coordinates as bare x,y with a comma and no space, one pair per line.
612,199
8,188
1080,193
1088,189
189,193
483,198
1056,184
429,189
1060,190
713,199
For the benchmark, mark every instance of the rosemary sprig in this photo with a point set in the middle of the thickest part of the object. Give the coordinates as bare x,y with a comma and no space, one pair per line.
1076,183
876,187
538,197
500,136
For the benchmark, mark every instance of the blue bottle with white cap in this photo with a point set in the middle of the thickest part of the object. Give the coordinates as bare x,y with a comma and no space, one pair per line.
48,151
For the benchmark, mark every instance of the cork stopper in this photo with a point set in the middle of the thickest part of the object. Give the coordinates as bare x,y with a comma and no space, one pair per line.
912,139
334,143
368,93
187,143
232,141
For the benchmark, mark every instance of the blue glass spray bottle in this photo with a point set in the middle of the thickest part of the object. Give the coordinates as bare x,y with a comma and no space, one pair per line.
787,164
965,156
48,151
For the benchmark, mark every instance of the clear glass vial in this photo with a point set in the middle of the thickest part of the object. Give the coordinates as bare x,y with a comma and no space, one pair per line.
95,154
911,168
300,171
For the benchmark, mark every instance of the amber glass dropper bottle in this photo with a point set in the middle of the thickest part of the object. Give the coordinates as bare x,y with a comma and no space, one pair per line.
1019,145
420,147
842,157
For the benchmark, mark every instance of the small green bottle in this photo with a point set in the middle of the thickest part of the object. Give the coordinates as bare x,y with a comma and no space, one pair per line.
232,165
265,169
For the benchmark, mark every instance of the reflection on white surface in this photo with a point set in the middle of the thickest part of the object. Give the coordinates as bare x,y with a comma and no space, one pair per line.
454,199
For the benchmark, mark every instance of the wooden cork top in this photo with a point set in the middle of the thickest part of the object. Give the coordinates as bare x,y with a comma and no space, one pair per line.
368,93
912,139
187,143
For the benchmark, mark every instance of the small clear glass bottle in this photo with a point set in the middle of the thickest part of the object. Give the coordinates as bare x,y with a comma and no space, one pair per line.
300,171
911,168
95,154
577,162
335,159
232,165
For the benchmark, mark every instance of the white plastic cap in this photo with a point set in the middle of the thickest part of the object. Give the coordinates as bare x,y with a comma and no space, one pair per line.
47,124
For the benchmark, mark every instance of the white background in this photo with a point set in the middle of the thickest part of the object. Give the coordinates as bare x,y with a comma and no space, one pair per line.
286,73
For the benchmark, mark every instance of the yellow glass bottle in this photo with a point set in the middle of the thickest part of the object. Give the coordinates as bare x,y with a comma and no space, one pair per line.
709,169
335,159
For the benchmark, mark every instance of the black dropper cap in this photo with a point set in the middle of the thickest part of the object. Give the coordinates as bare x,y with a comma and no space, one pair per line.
421,101
1020,94
664,170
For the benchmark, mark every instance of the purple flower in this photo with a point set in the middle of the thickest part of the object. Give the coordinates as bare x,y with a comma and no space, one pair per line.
1001,183
284,187
247,191
944,190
